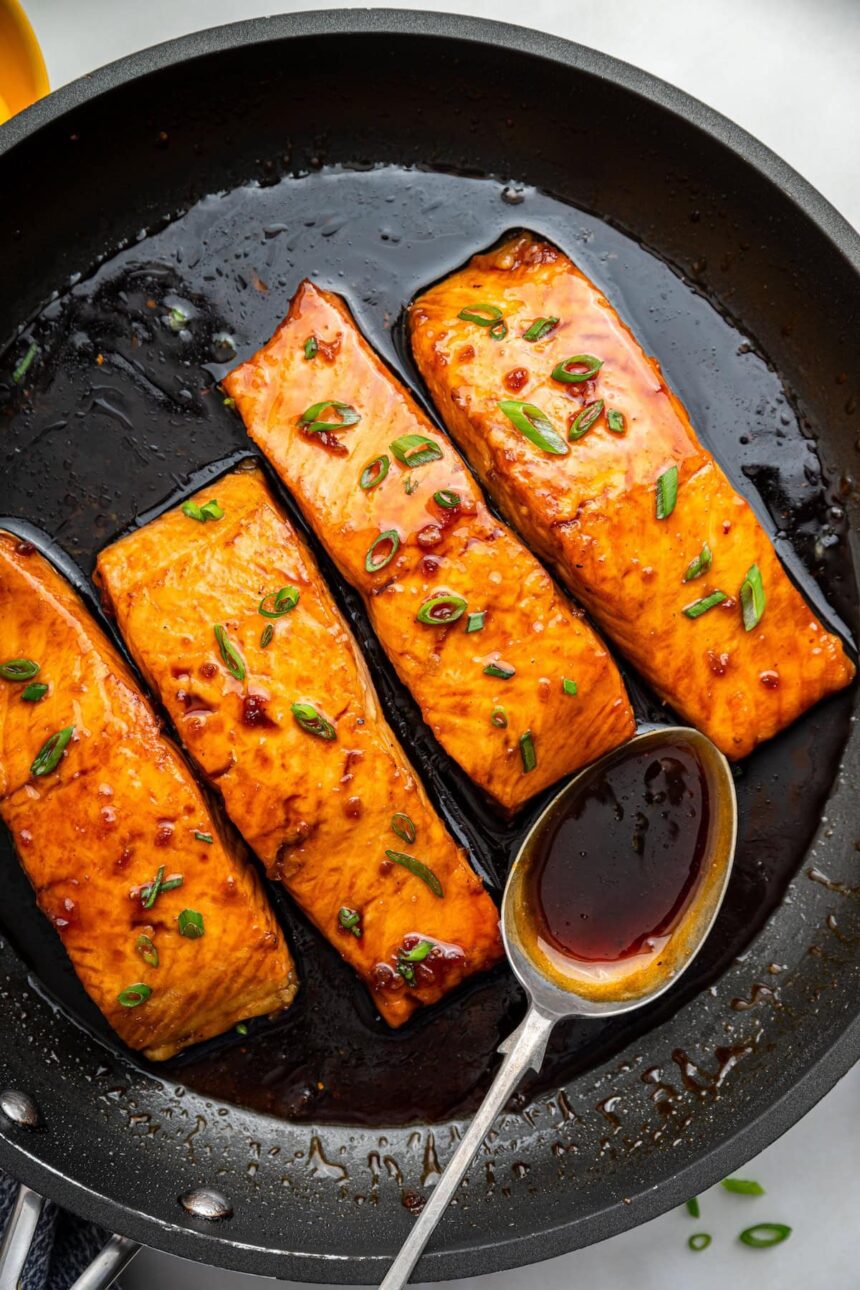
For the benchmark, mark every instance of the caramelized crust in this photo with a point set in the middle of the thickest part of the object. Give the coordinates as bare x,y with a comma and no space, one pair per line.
121,804
317,810
592,513
527,625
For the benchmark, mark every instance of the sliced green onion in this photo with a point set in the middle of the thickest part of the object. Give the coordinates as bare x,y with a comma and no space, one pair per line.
499,330
527,752
540,327
278,603
419,869
193,511
577,368
503,671
150,893
403,827
585,420
311,419
693,1207
170,883
191,924
475,621
48,756
204,837
743,1186
374,473
266,636
483,315
409,485
176,318
700,565
752,598
535,425
145,947
241,1028
34,692
389,538
415,450
615,421
350,920
439,611
447,499
311,347
406,970
231,656
134,995
22,368
569,687
312,722
19,669
699,607
761,1236
499,718
418,953
667,492
228,402
208,511
699,1241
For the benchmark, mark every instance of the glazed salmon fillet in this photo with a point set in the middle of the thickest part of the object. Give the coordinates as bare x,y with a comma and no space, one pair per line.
509,676
575,433
165,923
280,713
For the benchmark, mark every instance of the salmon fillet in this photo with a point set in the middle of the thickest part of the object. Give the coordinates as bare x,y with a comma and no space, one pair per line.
97,819
603,474
511,679
285,722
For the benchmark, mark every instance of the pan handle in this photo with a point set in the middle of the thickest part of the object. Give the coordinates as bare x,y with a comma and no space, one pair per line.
18,1237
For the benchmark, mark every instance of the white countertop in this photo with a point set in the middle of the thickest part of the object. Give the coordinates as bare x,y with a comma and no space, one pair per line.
786,70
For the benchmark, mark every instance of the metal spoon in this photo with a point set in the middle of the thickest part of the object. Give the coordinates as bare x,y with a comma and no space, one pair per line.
558,987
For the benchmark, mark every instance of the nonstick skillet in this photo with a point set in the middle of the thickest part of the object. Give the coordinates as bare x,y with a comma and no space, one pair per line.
376,151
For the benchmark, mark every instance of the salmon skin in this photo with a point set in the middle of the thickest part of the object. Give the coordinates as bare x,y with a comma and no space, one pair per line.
278,709
163,918
594,459
510,678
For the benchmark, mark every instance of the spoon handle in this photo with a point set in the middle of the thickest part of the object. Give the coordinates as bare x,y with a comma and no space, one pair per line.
524,1050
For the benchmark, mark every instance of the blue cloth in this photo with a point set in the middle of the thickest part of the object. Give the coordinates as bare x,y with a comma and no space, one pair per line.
62,1247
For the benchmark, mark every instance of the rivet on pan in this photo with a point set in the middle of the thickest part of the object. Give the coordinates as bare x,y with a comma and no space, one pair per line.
204,1202
19,1108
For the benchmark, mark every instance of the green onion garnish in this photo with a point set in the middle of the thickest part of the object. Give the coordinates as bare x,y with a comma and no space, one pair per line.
18,669
229,402
535,425
447,499
204,837
579,367
311,347
752,598
241,1028
208,511
527,752
667,492
21,370
419,869
34,692
145,947
406,959
700,565
585,420
503,671
499,718
693,1207
415,450
743,1186
133,995
350,920
615,421
48,756
699,607
311,419
540,327
176,318
409,485
762,1235
150,893
439,611
231,656
569,687
403,827
389,541
278,603
486,316
699,1241
374,473
312,722
475,621
191,924
266,636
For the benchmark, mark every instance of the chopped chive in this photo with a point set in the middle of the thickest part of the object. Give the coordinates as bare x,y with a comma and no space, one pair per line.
439,611
350,920
48,756
312,722
475,621
540,327
389,539
374,473
569,687
752,598
577,368
527,751
699,607
743,1186
208,511
19,669
415,450
231,656
499,718
145,947
311,419
535,425
419,869
266,636
277,603
667,492
311,347
693,1208
134,995
585,420
484,315
34,692
700,565
22,368
403,827
699,1241
503,671
761,1236
447,499
204,837
191,924
615,421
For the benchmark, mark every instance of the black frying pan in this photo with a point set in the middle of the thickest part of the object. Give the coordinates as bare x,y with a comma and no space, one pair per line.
745,282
